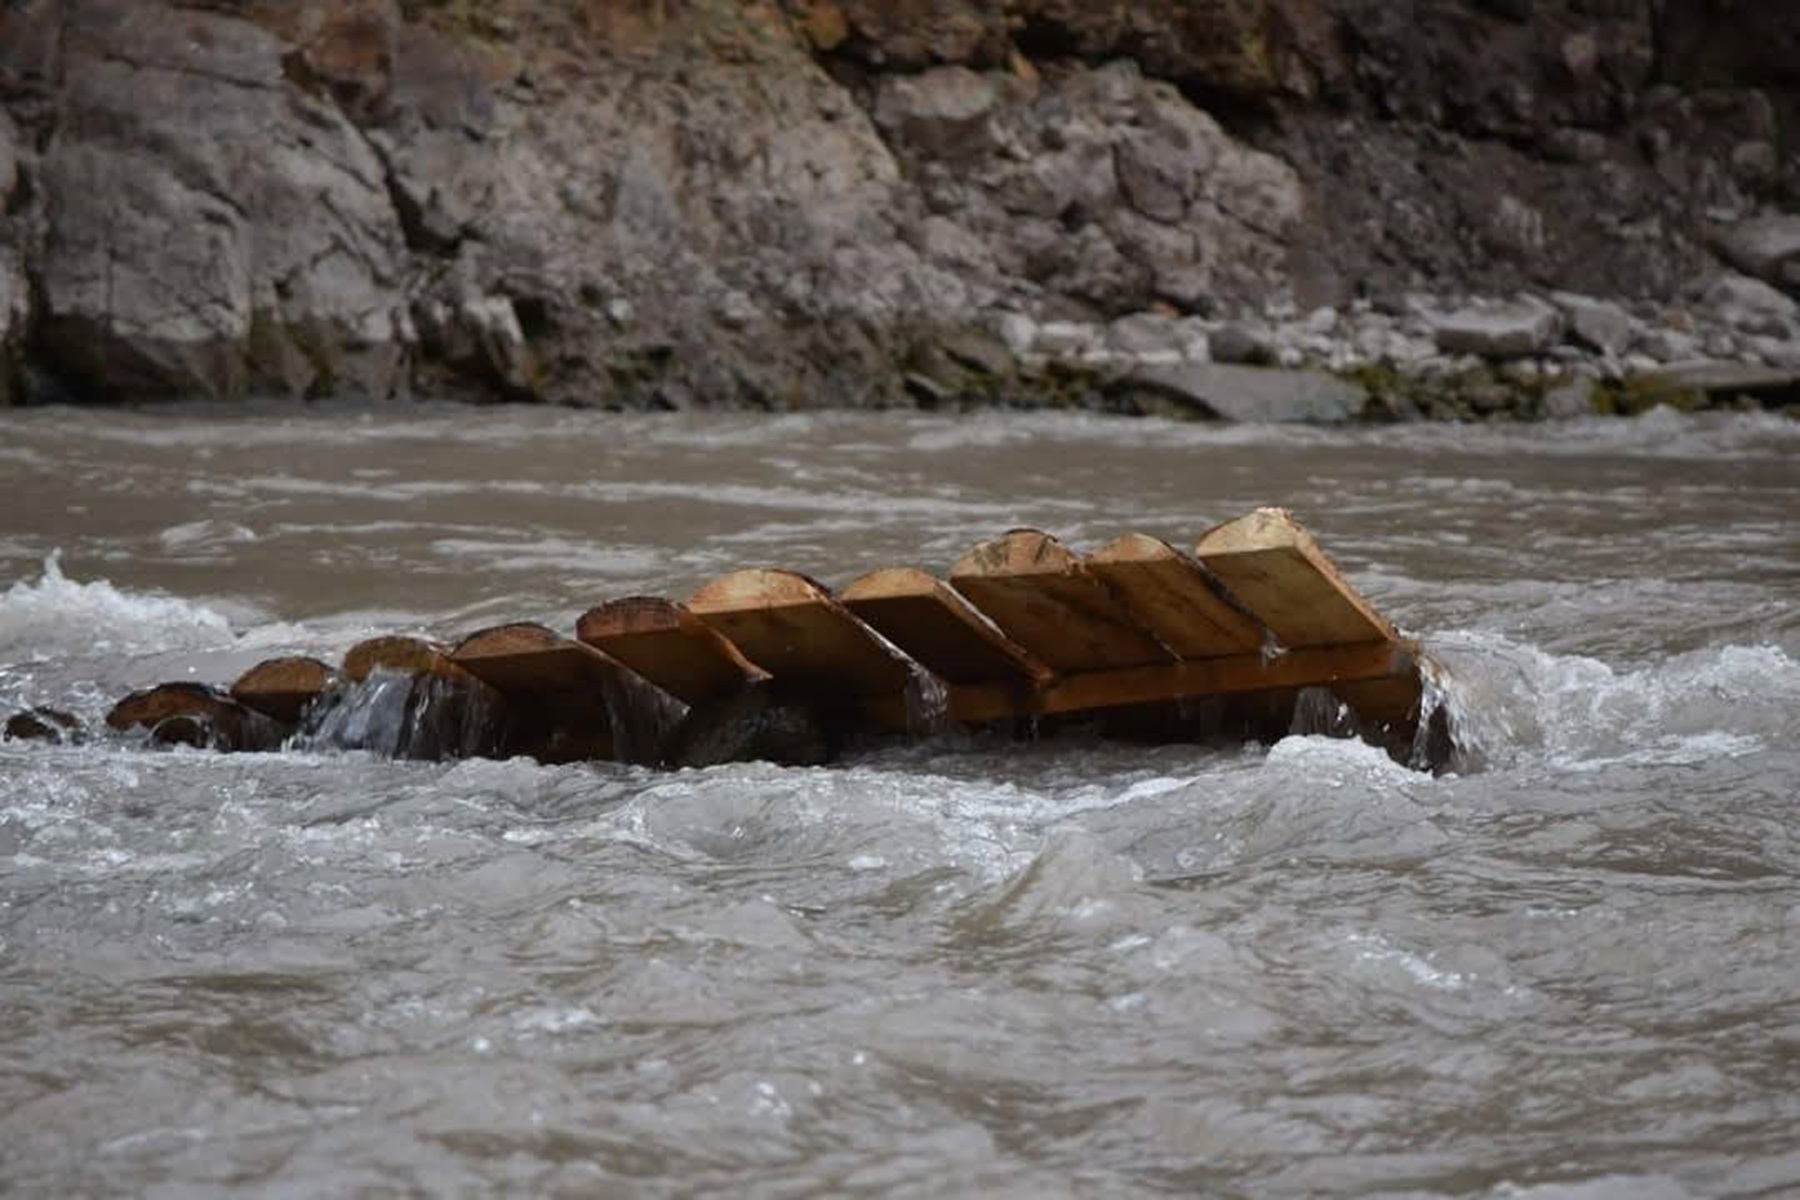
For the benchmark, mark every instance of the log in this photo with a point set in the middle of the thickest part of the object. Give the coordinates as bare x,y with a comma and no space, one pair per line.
196,714
1173,596
939,629
401,655
526,658
1158,682
792,628
1274,569
568,700
1043,598
446,711
283,688
42,724
669,646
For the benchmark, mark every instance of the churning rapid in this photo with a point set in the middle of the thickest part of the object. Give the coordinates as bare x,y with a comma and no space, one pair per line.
966,966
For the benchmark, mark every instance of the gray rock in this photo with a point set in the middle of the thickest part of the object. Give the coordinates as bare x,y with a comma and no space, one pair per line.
1243,342
1147,337
942,112
1512,329
1018,331
179,263
1767,247
482,336
1255,394
1096,185
1066,339
9,159
1667,346
1571,398
1752,306
1598,324
1783,353
1321,322
14,311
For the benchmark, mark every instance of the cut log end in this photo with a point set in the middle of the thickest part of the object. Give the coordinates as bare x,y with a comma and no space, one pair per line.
283,688
402,655
1016,552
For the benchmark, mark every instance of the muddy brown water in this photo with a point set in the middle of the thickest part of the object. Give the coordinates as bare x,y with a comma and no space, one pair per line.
965,967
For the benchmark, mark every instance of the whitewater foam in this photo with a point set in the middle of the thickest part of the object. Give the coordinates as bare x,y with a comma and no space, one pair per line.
55,616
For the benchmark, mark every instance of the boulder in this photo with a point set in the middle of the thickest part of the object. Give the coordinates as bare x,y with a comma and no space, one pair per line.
1767,247
1243,342
1752,306
941,113
1148,338
1514,329
1254,394
1096,184
1598,324
212,229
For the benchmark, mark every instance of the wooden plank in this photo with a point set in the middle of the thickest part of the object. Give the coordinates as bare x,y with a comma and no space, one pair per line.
1042,597
669,646
282,688
568,700
939,629
793,629
1174,597
1275,569
1321,665
527,658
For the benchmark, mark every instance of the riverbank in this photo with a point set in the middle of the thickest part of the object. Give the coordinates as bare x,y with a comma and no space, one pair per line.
659,204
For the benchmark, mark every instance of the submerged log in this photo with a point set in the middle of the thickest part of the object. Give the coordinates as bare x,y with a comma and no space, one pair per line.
405,698
43,724
283,688
669,646
792,628
199,715
565,700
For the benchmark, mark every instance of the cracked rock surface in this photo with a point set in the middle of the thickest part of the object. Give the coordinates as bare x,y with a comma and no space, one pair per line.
675,203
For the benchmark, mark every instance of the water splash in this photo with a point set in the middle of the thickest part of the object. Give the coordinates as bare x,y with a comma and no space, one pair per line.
927,703
372,715
642,717
56,616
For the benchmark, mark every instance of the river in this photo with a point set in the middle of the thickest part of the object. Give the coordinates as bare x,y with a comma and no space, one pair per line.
1570,968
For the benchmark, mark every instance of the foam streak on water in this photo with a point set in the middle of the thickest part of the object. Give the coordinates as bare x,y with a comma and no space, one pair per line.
963,966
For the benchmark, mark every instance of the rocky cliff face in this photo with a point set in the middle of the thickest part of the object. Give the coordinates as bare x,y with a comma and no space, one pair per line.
681,202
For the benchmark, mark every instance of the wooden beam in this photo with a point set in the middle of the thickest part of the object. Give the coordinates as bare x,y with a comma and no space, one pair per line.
1191,679
939,629
282,688
1173,596
669,646
1275,569
403,656
527,658
1042,597
792,628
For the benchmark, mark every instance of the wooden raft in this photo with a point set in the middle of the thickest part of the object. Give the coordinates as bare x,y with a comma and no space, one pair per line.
1021,627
